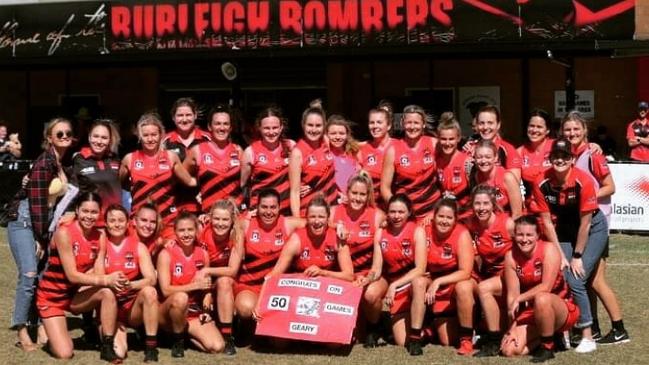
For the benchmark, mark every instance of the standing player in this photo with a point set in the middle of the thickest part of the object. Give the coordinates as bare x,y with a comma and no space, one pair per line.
448,290
372,152
311,163
344,148
265,161
356,223
535,153
453,166
409,165
217,161
138,299
184,284
538,299
184,112
637,134
152,171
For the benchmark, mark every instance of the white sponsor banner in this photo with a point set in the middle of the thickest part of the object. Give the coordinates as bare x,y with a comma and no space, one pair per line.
584,103
631,198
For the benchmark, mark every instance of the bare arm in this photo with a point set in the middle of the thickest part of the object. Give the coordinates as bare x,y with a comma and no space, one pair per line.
420,260
387,174
246,166
179,170
465,257
345,263
124,168
289,251
606,188
69,264
146,269
514,194
295,180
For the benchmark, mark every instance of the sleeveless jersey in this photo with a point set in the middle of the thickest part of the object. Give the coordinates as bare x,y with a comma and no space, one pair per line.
508,157
262,251
125,258
565,203
183,268
453,177
54,285
153,178
218,252
497,182
324,256
269,169
530,270
398,252
318,172
361,236
186,197
371,157
534,162
491,243
219,173
442,254
598,169
415,174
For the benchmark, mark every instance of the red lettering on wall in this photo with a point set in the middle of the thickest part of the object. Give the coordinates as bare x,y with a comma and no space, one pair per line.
437,8
216,17
200,23
258,16
290,15
137,21
416,13
341,17
234,16
371,15
165,18
149,24
183,18
314,15
394,9
120,21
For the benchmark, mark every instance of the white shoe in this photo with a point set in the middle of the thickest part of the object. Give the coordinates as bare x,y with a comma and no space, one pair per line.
586,346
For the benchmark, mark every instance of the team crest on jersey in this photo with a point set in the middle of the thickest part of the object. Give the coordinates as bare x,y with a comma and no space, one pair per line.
497,239
499,194
447,252
364,227
457,175
305,255
279,238
255,236
234,159
178,270
262,159
139,164
538,268
130,260
75,248
311,160
384,245
208,159
371,160
330,253
329,156
428,157
519,271
551,199
406,247
404,161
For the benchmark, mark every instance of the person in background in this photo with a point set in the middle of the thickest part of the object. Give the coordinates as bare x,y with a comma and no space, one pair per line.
10,146
637,134
28,233
606,142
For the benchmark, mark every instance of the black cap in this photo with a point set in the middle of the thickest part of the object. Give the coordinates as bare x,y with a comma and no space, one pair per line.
561,147
643,105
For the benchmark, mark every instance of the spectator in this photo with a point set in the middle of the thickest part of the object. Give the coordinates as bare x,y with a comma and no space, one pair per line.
10,146
606,142
637,134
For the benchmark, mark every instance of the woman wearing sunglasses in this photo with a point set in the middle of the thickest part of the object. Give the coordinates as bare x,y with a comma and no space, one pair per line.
28,232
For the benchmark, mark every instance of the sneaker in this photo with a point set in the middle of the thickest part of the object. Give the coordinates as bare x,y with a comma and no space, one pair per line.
178,349
614,337
151,355
229,349
466,347
107,353
575,339
585,346
414,348
542,355
489,349
371,340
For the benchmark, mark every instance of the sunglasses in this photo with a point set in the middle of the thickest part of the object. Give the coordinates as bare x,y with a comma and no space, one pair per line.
61,134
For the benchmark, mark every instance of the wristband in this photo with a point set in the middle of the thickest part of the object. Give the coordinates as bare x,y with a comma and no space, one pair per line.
576,255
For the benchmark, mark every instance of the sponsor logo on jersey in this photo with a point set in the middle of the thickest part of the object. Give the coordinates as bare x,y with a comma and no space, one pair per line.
406,247
371,160
447,252
330,253
87,170
208,159
139,164
404,161
428,157
130,260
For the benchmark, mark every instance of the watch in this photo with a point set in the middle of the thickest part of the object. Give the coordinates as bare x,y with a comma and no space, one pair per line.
576,255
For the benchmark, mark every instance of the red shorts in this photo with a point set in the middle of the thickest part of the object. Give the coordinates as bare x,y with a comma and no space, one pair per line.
527,316
124,307
48,308
239,287
401,301
444,304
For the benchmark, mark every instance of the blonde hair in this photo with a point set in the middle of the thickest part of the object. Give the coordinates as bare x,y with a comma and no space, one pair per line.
113,131
448,121
364,178
236,232
351,144
148,119
315,107
47,132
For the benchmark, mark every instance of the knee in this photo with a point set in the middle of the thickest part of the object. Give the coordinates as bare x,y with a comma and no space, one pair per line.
464,290
27,280
419,284
63,353
244,308
372,296
542,301
107,296
215,346
224,284
150,295
179,301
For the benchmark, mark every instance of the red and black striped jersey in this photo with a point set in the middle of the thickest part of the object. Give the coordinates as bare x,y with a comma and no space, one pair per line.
218,252
263,248
219,173
318,172
152,179
361,236
269,169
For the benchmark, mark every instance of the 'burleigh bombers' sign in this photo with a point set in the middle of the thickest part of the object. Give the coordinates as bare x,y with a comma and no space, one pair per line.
297,307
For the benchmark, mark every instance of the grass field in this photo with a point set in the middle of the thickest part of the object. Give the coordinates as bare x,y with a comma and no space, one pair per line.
628,273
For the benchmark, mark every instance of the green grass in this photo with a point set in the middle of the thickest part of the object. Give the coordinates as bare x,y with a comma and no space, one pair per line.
630,282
